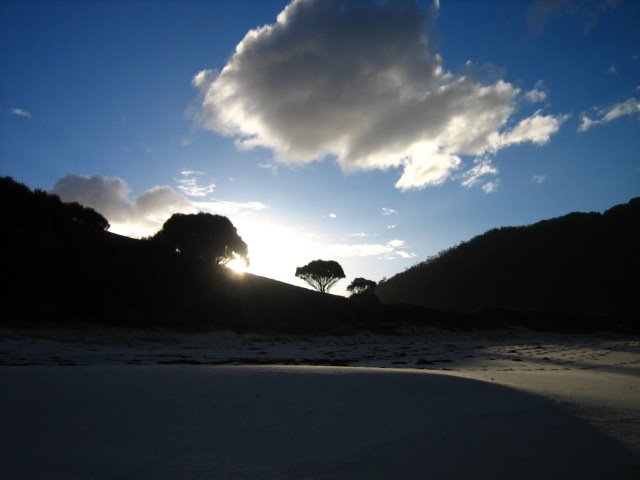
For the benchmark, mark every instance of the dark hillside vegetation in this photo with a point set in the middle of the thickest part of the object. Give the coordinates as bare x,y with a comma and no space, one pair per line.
585,263
61,266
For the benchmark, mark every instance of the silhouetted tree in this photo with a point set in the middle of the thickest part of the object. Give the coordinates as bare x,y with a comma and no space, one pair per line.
321,274
361,285
212,238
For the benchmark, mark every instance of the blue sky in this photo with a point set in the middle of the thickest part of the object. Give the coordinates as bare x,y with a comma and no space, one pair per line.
372,134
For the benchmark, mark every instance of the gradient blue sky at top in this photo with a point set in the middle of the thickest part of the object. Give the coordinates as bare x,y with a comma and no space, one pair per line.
376,135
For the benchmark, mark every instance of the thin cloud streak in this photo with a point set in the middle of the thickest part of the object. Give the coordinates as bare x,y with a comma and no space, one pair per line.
385,212
539,178
20,112
190,184
481,168
603,116
387,251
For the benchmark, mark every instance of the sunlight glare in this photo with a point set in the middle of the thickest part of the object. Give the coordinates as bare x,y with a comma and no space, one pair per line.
238,265
276,250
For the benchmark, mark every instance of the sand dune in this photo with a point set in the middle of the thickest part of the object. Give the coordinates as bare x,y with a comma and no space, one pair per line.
573,415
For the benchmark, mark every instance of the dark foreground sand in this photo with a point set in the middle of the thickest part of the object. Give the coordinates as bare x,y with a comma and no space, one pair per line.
108,420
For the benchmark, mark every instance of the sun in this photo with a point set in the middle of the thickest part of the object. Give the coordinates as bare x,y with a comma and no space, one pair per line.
238,265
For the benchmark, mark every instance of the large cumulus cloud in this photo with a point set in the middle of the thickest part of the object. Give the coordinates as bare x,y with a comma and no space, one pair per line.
361,81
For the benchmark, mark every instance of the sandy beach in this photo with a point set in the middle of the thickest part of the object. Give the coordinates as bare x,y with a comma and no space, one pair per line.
111,404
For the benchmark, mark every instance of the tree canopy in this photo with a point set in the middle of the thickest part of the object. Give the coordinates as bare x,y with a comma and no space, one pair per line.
321,274
361,285
212,238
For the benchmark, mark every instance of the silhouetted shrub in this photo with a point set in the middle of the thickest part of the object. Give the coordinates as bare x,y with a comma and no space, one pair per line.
363,289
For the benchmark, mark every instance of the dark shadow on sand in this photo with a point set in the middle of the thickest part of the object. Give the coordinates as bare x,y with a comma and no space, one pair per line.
155,422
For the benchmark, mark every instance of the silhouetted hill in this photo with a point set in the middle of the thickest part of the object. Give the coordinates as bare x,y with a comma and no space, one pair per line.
580,262
62,267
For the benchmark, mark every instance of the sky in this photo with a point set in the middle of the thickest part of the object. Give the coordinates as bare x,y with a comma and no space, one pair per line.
373,133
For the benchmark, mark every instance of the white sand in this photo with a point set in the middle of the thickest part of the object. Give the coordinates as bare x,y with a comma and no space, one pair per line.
575,414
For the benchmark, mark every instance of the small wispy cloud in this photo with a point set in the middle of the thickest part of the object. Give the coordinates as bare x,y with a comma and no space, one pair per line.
362,235
385,251
612,70
227,208
537,94
333,215
395,243
271,166
629,107
481,168
385,212
189,183
393,226
20,112
490,187
539,178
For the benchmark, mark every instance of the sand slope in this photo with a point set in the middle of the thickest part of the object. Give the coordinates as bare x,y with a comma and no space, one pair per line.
154,422
123,404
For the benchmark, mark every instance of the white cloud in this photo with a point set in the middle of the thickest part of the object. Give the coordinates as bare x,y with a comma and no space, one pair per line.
423,172
392,226
490,187
360,81
387,251
481,168
612,70
272,167
629,107
190,185
20,112
203,80
362,235
142,215
537,94
396,243
333,215
539,178
536,129
384,211
227,208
